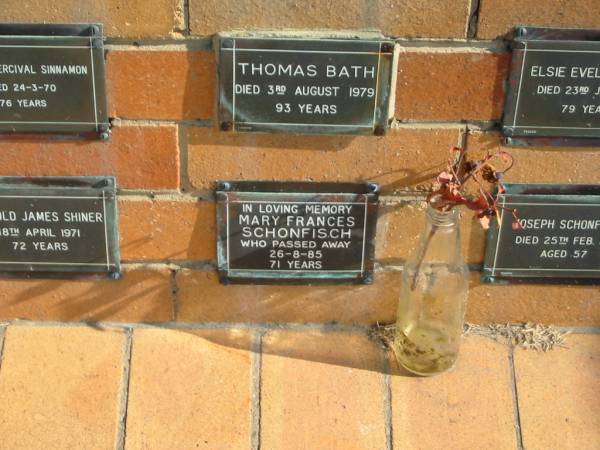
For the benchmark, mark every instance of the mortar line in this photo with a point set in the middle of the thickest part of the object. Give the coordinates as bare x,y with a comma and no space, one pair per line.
227,325
186,43
387,404
192,42
124,392
124,122
256,382
173,264
160,196
169,325
515,398
580,330
3,328
405,197
483,125
182,142
174,195
201,265
473,19
186,18
174,290
463,134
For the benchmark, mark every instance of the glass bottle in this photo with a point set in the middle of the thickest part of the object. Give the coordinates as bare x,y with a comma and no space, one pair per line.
433,297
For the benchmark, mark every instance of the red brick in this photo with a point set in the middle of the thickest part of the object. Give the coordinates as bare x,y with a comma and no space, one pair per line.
161,84
321,391
200,297
399,228
141,295
141,157
59,387
450,86
414,18
569,165
497,18
189,389
123,18
167,230
405,158
566,305
469,407
559,404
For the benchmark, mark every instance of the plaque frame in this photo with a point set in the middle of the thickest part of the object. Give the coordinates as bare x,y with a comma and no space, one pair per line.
367,193
305,43
98,187
70,36
543,38
587,193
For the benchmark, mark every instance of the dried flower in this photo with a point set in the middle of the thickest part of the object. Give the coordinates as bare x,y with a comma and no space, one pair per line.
475,183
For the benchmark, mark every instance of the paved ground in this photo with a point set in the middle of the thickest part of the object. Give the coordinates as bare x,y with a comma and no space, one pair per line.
68,386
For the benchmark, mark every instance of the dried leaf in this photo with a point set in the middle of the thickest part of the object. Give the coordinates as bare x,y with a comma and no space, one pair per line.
445,177
485,222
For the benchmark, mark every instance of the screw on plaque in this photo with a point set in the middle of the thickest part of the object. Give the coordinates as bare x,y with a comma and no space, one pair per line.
104,131
379,130
373,187
509,131
94,30
102,183
387,47
224,186
227,43
226,126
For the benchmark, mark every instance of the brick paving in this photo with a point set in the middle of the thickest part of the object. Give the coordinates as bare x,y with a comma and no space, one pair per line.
115,386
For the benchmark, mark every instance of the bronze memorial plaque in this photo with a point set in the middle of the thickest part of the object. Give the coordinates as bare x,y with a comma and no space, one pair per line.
59,225
553,95
283,232
557,239
52,80
294,85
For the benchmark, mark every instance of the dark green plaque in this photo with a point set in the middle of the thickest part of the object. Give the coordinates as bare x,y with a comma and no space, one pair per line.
553,95
52,80
329,86
558,239
281,232
59,225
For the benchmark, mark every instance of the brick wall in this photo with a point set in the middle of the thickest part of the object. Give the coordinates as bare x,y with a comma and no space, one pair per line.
166,154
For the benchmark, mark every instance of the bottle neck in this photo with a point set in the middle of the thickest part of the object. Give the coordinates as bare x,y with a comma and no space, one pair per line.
444,219
441,240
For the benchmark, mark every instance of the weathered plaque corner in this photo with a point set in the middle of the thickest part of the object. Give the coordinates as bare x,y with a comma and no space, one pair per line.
296,232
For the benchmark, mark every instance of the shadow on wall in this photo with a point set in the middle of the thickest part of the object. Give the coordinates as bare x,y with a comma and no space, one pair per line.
213,137
410,177
138,296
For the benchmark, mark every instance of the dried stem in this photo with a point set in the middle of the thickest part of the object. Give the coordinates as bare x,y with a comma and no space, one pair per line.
413,284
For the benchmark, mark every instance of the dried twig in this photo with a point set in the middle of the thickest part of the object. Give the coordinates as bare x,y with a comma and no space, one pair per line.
528,336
